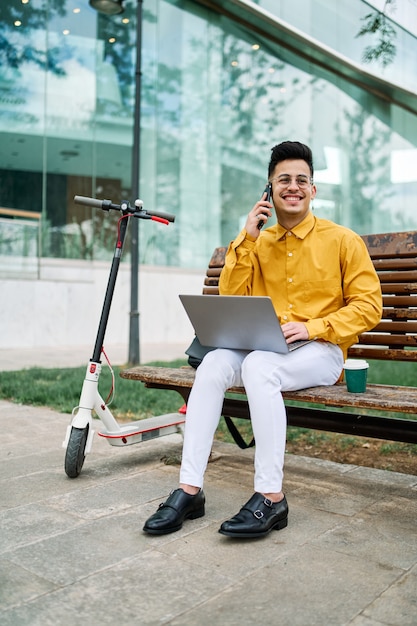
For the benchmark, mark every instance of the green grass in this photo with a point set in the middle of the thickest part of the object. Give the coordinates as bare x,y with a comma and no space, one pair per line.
60,389
390,373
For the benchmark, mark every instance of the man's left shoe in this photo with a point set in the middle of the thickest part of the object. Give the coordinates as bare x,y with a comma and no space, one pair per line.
172,513
257,518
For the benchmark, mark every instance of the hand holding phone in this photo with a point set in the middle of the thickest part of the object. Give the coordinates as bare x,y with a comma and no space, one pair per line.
268,191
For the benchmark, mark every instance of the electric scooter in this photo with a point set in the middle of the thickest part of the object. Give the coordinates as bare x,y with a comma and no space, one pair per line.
79,435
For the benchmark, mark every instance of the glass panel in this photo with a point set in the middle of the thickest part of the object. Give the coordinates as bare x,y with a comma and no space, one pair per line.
88,129
66,109
217,98
337,25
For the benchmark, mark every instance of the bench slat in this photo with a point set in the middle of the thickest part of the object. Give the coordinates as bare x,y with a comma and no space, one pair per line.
214,271
388,339
399,314
211,291
399,301
400,288
395,327
382,354
392,244
397,276
217,259
397,263
211,282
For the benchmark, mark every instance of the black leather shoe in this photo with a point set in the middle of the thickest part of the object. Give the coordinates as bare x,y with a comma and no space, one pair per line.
257,518
171,514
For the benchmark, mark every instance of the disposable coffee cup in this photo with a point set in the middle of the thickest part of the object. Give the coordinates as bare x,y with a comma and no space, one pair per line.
356,373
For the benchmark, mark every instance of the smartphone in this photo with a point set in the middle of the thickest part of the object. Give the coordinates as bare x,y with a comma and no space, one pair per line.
268,191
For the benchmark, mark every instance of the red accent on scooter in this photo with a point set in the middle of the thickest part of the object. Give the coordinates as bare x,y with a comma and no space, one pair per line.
160,220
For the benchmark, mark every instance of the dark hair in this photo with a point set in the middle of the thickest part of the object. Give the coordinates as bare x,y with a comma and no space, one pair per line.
290,150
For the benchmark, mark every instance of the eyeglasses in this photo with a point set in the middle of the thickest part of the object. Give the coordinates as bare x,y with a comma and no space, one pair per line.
302,181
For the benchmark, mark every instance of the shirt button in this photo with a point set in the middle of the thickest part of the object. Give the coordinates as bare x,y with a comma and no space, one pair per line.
289,253
290,306
289,233
284,317
290,280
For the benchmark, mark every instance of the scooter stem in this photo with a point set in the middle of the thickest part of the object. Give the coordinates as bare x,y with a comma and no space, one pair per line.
110,289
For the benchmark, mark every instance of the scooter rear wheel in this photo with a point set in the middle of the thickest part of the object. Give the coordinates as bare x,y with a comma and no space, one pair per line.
75,453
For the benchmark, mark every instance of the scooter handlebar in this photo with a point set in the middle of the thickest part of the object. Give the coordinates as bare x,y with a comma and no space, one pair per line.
94,202
138,211
164,216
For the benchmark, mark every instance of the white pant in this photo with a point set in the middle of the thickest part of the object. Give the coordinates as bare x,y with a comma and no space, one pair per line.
264,375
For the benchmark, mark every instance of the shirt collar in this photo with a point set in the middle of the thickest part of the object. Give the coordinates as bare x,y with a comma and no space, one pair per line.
301,230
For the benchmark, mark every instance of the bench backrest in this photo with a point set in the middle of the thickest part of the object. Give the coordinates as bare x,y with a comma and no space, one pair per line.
395,259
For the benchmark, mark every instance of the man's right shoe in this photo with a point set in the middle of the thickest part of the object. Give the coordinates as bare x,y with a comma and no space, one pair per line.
257,518
171,514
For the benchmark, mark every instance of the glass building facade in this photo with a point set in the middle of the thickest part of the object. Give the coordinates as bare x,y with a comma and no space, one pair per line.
221,83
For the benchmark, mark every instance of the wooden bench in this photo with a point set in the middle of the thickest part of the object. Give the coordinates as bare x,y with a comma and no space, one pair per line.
383,411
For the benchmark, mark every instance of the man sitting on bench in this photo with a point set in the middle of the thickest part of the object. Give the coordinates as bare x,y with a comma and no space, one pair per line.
324,287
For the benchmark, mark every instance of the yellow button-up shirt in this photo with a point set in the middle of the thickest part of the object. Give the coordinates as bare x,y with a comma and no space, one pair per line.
319,273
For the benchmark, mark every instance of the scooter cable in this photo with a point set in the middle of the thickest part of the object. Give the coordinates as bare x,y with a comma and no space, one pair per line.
111,395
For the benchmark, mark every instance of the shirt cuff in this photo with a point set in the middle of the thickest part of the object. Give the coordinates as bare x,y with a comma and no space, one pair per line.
244,238
317,329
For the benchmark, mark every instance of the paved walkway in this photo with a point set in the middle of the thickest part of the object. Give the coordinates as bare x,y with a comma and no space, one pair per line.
72,550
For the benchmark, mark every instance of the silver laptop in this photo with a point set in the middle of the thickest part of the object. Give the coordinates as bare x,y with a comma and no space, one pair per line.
237,322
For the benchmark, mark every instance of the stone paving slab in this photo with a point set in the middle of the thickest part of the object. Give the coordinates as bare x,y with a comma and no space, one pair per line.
73,550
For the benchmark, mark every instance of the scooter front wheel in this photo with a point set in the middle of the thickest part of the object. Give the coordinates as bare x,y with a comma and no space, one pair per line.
75,453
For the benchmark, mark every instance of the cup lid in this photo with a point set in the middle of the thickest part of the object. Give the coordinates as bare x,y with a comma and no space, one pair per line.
355,364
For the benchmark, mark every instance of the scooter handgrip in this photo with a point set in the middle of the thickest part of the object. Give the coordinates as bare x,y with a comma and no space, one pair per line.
165,216
94,202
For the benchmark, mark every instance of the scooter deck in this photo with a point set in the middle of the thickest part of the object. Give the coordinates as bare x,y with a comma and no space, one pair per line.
144,430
